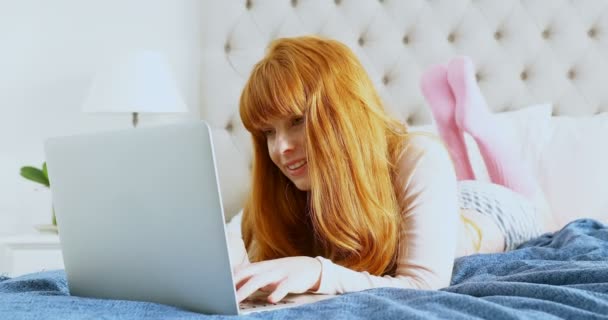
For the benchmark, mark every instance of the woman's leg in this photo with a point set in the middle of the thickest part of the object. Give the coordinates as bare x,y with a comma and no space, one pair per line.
495,144
436,90
505,218
497,149
477,233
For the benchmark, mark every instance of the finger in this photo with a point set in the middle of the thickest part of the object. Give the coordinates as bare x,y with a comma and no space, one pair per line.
252,269
280,292
256,282
241,275
241,283
270,288
238,267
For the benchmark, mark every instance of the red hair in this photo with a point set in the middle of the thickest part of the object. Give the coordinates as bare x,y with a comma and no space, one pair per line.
351,214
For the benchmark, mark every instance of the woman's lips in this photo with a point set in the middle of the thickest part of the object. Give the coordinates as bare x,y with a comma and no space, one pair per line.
299,171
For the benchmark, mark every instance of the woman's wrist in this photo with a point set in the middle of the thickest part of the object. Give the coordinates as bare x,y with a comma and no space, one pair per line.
317,283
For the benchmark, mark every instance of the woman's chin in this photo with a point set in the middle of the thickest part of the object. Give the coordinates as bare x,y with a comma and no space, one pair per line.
302,184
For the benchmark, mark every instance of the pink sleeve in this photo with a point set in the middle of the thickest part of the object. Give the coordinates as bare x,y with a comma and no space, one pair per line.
429,234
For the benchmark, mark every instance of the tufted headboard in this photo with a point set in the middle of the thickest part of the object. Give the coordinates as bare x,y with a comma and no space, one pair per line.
525,51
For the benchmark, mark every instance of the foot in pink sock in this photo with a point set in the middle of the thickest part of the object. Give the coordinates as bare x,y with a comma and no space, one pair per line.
471,109
496,146
436,90
438,94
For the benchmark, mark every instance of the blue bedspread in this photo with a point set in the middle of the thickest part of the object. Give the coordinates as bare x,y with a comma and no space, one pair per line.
561,275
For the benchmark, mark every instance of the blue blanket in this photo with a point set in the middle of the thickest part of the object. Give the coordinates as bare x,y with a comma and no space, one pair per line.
560,275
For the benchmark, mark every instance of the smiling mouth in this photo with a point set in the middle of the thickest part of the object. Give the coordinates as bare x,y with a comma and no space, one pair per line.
296,165
297,168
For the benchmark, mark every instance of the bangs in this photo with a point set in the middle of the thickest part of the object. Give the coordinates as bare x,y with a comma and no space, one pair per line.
273,91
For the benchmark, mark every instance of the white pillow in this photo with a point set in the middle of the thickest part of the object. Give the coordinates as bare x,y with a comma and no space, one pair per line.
530,127
574,171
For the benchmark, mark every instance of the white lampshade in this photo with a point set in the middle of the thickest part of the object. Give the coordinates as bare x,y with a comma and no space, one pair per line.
140,82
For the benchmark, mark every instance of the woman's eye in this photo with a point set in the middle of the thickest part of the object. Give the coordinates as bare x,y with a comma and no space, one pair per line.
268,132
298,121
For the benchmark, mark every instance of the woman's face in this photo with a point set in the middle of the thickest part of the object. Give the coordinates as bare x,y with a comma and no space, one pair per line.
287,149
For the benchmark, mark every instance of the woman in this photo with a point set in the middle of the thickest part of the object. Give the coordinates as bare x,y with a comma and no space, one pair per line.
344,199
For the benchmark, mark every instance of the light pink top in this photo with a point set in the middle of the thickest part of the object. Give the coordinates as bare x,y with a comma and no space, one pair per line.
430,235
429,238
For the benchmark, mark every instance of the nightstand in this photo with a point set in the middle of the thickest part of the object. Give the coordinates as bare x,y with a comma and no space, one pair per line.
21,254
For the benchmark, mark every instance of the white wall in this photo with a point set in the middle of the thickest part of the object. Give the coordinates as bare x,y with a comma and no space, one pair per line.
49,51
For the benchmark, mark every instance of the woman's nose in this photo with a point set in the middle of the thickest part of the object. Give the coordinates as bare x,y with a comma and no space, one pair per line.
284,143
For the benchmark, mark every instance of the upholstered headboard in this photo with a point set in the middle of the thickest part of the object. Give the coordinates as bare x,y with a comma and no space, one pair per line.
526,52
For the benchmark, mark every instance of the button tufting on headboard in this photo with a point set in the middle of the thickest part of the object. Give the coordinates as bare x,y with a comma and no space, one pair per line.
478,76
386,79
229,126
526,53
409,120
451,37
498,35
361,41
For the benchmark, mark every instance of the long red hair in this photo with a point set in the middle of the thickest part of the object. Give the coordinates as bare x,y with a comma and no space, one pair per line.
351,214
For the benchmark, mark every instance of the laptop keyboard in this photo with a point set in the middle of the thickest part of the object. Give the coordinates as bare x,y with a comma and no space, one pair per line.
254,303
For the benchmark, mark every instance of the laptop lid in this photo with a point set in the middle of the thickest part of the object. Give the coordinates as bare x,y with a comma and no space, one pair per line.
141,218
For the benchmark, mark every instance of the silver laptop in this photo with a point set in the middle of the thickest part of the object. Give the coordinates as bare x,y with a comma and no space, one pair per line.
140,217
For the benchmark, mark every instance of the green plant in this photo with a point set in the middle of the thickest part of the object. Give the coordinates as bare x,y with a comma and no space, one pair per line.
39,176
36,175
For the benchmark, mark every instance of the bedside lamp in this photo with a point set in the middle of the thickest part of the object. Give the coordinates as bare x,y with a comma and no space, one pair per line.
140,82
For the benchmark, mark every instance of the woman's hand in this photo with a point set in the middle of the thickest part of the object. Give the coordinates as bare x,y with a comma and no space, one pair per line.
280,276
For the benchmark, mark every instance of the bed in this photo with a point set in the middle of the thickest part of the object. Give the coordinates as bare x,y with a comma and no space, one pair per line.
561,275
541,64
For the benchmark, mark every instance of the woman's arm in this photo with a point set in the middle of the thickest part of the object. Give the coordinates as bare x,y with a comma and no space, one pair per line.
236,247
428,238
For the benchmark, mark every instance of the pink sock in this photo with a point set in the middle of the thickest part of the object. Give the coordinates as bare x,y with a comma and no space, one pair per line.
436,90
496,147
